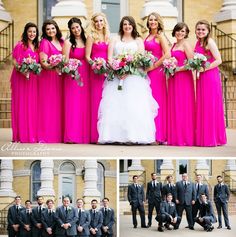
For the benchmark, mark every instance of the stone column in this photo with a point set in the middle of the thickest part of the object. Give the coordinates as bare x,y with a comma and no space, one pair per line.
65,9
167,168
136,169
6,191
230,171
165,8
202,168
90,183
46,190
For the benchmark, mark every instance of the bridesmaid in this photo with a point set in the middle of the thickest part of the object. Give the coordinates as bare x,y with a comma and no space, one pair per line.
50,86
97,46
181,97
24,91
210,113
157,44
76,105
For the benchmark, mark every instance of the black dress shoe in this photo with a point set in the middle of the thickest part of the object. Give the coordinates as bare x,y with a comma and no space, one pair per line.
228,227
145,226
219,227
186,226
191,228
149,225
160,229
135,226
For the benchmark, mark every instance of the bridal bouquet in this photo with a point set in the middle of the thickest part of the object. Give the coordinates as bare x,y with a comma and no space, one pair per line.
198,63
71,67
145,60
57,61
28,65
98,65
170,66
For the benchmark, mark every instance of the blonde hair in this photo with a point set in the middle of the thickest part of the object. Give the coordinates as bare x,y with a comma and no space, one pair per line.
160,27
94,31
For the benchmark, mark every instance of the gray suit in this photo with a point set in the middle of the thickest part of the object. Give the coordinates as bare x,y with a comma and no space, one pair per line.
185,195
108,220
37,218
84,220
136,198
221,198
96,222
63,218
203,189
49,221
25,219
12,219
169,189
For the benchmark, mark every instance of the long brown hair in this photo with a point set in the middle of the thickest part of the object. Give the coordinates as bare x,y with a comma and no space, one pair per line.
132,22
24,37
44,34
208,26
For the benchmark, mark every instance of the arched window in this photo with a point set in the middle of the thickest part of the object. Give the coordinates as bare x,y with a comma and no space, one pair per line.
35,179
101,179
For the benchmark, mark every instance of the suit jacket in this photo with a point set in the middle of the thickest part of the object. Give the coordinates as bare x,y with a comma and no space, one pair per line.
207,210
221,193
185,195
96,221
154,192
36,217
84,221
13,216
48,221
63,218
136,197
109,219
203,188
25,219
169,209
166,189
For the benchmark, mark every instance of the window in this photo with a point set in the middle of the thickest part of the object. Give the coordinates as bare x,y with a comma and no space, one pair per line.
158,166
35,179
124,165
209,162
101,183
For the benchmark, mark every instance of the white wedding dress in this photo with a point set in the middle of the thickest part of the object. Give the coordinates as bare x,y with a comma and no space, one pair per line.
127,115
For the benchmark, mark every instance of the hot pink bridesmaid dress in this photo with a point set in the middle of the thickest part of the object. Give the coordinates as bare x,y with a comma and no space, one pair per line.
77,103
50,124
181,105
98,50
24,99
159,90
210,124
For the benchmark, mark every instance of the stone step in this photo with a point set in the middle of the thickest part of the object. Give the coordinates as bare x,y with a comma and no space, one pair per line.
232,123
5,114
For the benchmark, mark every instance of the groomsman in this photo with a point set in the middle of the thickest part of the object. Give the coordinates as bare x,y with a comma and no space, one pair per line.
206,214
108,218
26,220
200,189
168,214
13,218
48,219
83,221
96,220
154,196
169,187
66,218
221,198
136,199
37,218
185,198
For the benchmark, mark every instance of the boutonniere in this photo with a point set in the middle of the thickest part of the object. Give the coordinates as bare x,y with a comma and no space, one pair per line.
172,205
69,209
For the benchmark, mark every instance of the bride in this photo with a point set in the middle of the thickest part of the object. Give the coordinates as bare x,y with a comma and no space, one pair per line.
127,115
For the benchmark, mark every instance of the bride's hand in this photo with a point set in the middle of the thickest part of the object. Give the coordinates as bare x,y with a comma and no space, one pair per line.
122,77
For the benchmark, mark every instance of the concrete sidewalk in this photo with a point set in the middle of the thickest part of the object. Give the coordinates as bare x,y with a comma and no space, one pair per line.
89,150
126,229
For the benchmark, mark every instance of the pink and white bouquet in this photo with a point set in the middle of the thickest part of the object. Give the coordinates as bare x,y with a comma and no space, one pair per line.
57,61
98,65
71,67
145,60
198,63
170,66
28,65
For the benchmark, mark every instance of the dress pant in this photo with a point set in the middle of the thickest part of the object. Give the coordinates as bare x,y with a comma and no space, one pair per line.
141,213
224,207
188,209
163,218
12,233
107,235
151,206
196,208
206,221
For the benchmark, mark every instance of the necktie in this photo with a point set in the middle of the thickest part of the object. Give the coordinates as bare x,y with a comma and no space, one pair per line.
197,190
17,209
94,212
185,184
50,212
79,215
136,187
66,211
169,208
105,212
153,184
40,211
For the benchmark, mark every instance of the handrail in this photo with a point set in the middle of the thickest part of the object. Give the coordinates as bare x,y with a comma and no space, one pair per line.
229,181
3,218
6,41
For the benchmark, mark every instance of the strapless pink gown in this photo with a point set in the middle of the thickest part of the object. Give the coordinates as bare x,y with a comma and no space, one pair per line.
24,99
159,90
98,50
77,102
210,124
181,105
50,124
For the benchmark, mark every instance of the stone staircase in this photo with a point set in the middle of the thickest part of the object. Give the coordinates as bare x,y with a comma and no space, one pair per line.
231,104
